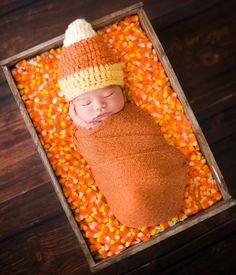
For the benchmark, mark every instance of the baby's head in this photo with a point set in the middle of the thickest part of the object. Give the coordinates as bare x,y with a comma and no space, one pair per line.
95,106
89,74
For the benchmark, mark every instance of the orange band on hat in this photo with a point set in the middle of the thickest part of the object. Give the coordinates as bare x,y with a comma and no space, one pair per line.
86,53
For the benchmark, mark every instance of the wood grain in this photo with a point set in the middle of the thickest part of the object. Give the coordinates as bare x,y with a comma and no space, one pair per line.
49,248
17,152
225,152
225,121
174,249
201,51
199,39
211,260
206,259
137,9
28,209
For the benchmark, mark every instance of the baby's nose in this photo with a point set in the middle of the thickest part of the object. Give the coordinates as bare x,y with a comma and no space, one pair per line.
99,104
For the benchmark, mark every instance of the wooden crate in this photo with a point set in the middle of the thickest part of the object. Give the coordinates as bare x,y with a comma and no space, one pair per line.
158,241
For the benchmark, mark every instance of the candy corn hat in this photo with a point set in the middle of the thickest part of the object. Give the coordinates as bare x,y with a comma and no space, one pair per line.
86,62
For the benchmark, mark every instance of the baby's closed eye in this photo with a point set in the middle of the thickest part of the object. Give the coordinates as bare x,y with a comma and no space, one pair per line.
84,103
107,94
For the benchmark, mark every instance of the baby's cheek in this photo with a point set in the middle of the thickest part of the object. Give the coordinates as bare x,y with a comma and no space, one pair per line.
84,114
119,104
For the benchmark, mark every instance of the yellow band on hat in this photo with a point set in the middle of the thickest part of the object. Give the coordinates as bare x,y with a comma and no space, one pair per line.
90,79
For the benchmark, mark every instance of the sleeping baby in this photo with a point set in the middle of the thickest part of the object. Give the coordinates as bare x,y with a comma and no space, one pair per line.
141,176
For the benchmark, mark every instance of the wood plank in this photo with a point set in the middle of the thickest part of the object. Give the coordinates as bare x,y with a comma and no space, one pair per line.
49,248
12,136
225,153
16,179
28,209
8,6
219,126
221,95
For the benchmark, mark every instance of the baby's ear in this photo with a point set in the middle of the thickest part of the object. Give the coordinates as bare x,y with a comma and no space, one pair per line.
73,114
72,110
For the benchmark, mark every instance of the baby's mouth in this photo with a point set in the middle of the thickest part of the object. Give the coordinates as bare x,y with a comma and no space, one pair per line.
101,116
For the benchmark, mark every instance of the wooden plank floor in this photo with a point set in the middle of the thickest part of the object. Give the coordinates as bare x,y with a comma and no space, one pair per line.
199,39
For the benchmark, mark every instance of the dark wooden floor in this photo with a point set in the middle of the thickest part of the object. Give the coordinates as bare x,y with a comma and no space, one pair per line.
199,39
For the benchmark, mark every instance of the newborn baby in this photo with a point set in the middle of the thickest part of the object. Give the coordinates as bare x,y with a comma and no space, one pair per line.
140,175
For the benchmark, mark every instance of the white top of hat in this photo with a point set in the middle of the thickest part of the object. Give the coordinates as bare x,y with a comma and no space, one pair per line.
78,30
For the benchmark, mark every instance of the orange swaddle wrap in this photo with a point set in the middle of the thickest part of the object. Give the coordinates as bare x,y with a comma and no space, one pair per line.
141,176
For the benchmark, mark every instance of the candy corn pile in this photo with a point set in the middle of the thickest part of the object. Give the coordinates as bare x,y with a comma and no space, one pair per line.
148,87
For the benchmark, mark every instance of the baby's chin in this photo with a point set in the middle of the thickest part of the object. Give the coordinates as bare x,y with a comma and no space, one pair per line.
93,123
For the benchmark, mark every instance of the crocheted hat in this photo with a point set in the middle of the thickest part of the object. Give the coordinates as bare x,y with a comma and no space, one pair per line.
86,62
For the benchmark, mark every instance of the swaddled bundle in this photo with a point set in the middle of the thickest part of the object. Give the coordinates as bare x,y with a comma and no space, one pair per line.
140,175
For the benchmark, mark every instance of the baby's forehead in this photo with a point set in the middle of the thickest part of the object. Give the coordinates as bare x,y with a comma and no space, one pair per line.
93,93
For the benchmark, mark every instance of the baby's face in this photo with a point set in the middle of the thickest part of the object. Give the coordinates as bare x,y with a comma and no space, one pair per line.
95,106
